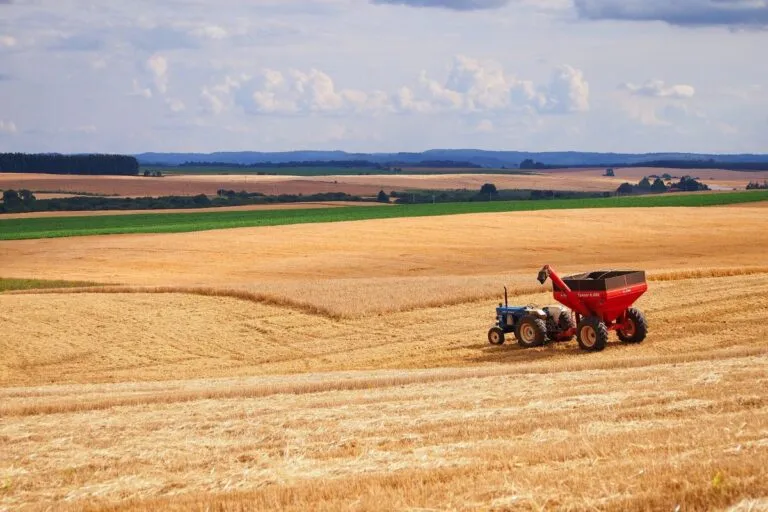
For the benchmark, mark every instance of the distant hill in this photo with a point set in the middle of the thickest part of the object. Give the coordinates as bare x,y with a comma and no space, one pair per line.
492,159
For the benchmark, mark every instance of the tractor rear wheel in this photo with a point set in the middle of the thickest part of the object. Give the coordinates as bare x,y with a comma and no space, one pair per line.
592,334
636,328
496,336
531,332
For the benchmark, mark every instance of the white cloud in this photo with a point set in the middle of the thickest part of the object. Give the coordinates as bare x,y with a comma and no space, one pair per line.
210,102
658,89
483,86
175,105
298,92
8,41
144,92
158,67
568,91
8,127
210,32
484,126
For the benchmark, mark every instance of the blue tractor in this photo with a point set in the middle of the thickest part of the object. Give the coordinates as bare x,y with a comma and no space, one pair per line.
531,325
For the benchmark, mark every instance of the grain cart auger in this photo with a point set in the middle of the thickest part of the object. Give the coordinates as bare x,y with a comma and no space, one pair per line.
601,301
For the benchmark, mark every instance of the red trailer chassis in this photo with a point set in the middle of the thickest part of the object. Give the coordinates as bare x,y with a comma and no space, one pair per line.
601,301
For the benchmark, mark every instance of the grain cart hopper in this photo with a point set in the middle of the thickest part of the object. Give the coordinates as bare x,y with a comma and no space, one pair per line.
601,301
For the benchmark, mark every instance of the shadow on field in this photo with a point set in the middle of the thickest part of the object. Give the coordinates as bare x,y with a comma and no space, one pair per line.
511,352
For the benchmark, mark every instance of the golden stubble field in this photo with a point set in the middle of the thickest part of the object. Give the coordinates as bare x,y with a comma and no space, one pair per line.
345,366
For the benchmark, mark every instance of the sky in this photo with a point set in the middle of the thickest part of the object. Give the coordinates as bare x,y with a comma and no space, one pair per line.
383,75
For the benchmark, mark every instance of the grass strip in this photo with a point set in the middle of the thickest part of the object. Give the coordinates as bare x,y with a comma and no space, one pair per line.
7,284
52,227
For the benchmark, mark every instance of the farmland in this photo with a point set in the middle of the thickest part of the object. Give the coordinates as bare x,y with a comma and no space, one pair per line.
343,365
590,180
46,227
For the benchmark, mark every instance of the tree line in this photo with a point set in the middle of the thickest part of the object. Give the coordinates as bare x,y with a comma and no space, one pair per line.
22,201
54,163
658,186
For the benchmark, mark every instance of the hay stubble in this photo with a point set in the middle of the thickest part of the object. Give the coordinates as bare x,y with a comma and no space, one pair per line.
371,384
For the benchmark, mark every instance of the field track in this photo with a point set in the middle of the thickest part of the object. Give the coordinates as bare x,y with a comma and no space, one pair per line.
345,366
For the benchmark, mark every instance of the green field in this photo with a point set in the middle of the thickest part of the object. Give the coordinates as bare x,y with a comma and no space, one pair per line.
49,227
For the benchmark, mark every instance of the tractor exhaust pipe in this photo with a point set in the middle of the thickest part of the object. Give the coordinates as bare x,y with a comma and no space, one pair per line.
506,304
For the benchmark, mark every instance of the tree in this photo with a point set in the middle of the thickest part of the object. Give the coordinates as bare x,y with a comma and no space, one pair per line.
488,189
26,196
689,184
382,197
625,188
658,186
11,197
644,184
609,172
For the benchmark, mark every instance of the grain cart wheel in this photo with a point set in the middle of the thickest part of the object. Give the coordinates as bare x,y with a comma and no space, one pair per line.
637,327
496,336
592,334
531,332
565,323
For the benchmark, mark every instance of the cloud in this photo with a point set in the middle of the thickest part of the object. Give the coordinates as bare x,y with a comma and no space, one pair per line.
8,41
655,103
144,92
175,105
471,86
658,89
158,67
8,127
299,92
482,86
457,5
678,12
568,91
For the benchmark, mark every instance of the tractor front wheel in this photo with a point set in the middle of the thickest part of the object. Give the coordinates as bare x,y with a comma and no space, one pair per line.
636,327
496,336
592,334
531,332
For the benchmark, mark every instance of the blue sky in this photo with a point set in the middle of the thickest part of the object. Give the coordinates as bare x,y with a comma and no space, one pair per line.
384,75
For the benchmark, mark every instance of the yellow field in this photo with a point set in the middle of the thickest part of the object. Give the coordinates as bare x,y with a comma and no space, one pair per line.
346,366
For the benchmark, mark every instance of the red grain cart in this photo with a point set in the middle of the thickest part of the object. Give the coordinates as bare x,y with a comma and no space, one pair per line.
601,301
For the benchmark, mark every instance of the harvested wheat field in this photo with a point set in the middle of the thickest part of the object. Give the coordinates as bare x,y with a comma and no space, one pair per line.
346,366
